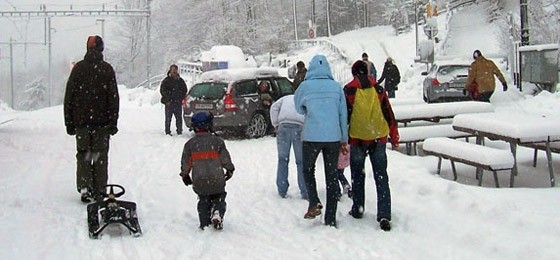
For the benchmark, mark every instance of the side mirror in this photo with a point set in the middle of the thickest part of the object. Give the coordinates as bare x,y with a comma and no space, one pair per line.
424,73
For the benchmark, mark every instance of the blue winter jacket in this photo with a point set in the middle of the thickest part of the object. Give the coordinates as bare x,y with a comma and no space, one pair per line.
321,99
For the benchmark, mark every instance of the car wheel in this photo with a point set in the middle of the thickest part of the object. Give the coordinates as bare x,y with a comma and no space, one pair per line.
257,126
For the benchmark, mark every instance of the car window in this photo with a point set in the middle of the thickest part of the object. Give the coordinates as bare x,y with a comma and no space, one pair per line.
285,86
208,90
453,70
246,88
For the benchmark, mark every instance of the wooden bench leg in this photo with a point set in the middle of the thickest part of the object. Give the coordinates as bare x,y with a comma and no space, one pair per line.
414,148
549,158
511,179
454,170
408,148
496,179
535,157
439,166
479,176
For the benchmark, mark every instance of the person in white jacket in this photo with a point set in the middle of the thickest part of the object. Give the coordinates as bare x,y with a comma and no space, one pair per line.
288,124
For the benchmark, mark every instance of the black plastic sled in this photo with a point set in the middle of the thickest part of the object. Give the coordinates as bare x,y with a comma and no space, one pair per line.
112,211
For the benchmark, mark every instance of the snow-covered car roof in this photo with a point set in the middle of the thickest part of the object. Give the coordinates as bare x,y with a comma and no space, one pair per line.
231,75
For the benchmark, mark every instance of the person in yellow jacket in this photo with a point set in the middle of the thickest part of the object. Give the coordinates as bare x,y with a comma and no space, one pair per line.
482,73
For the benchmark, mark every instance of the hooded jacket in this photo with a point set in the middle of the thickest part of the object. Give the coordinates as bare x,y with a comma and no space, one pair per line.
92,98
206,155
283,111
482,72
320,98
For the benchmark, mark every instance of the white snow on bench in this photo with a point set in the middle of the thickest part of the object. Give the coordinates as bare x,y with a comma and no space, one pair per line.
420,133
439,110
494,158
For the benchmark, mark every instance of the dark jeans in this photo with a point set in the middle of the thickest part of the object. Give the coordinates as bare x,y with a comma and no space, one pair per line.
391,93
92,146
341,178
378,159
207,204
174,109
330,151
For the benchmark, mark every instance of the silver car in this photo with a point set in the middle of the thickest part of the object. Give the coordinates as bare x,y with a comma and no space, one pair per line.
446,82
232,96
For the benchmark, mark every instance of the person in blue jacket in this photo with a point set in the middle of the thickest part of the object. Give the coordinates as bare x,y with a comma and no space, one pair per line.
325,130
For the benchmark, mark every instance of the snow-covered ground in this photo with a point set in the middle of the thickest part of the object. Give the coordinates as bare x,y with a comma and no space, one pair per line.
433,217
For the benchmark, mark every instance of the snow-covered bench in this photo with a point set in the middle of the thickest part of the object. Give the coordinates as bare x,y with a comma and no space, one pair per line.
554,147
481,157
410,136
435,112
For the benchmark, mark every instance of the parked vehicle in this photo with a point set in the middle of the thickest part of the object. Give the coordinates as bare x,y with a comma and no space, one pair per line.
446,82
233,97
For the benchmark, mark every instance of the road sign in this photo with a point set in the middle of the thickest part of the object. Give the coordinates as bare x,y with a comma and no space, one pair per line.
311,33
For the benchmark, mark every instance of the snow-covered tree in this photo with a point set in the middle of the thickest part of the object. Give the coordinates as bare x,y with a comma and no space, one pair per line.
35,95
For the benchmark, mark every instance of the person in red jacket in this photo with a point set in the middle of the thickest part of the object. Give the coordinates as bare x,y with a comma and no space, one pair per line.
371,122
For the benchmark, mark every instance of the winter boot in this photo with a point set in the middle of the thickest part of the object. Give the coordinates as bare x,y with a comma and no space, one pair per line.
85,195
313,211
217,220
385,224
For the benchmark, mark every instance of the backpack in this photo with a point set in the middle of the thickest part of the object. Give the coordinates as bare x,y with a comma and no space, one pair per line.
367,121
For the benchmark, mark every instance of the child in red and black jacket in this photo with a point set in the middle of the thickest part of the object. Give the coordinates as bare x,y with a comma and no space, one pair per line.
371,121
205,157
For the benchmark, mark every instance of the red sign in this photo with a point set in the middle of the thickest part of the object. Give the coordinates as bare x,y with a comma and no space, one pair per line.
311,33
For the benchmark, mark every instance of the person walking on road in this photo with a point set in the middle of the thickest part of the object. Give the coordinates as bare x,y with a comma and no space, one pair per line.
91,111
481,77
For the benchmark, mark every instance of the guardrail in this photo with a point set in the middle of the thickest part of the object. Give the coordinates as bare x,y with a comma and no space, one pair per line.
459,3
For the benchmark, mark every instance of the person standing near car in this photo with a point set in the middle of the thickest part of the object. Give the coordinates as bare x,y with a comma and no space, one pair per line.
482,73
288,124
300,75
91,110
391,76
325,130
371,121
173,90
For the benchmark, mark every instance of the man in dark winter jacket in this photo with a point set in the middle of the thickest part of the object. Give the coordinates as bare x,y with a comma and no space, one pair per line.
391,76
204,157
300,75
91,110
173,90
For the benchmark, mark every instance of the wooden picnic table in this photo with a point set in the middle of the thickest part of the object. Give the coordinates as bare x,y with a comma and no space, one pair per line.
434,112
516,128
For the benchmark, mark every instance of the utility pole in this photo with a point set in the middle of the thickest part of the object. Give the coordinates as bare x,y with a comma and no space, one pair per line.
102,21
524,23
313,12
12,71
416,24
148,55
329,18
50,60
295,19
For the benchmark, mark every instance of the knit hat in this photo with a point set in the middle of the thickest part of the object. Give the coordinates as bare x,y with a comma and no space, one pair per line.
359,68
95,43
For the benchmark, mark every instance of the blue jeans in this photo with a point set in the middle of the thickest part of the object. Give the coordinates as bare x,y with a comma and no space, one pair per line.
289,135
378,159
330,151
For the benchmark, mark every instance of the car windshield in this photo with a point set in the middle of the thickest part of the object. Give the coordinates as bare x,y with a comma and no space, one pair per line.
210,90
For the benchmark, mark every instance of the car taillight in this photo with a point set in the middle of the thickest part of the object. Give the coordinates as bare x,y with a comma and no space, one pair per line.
229,103
435,82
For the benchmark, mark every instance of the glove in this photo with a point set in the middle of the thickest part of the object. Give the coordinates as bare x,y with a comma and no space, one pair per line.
228,175
70,130
504,85
186,179
112,130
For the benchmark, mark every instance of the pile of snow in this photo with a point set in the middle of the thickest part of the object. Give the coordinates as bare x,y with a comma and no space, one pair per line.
233,55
